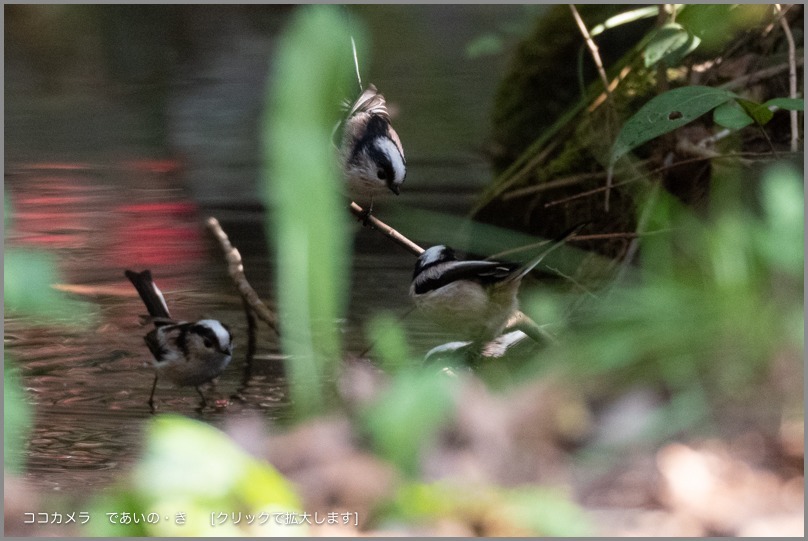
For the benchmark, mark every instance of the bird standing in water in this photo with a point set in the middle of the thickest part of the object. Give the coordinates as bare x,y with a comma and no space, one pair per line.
184,353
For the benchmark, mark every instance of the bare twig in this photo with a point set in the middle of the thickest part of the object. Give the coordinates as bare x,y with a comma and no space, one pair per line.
662,68
737,156
385,229
251,341
573,281
235,268
745,80
792,80
557,183
593,49
521,322
251,347
685,146
597,102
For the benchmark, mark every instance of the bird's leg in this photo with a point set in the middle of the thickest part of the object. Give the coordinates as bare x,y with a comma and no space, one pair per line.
202,396
151,396
365,216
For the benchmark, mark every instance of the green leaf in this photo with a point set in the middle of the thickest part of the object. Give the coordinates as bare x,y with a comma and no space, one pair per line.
670,43
790,104
624,18
308,220
665,113
760,113
731,116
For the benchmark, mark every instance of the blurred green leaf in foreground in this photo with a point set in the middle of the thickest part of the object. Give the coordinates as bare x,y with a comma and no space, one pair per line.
307,218
197,481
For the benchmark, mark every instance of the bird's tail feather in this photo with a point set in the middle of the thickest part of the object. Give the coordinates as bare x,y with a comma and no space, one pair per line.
530,265
149,292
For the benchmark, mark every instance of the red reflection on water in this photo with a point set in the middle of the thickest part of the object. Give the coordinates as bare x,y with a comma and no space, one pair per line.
56,166
158,233
154,166
105,219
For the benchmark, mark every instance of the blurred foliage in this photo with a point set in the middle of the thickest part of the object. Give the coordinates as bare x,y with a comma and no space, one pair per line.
716,300
193,469
407,414
717,24
500,40
494,512
389,342
28,277
308,222
550,147
17,420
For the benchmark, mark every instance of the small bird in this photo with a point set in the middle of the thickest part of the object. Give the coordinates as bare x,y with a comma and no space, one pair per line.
471,299
370,151
185,353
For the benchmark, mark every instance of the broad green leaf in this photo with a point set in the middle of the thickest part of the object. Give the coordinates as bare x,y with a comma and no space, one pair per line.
760,113
665,113
790,104
670,43
731,116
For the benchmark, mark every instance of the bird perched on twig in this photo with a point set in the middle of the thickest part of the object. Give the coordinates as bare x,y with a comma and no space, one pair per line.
471,299
184,353
370,151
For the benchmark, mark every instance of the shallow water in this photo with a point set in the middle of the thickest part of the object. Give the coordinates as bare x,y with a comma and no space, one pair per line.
90,193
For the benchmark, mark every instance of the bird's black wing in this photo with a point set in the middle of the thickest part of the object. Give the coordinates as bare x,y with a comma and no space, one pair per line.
162,340
483,272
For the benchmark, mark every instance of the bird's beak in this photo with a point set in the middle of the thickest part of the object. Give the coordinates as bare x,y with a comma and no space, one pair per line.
395,188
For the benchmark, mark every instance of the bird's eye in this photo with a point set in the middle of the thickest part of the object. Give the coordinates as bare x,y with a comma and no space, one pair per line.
381,174
207,343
